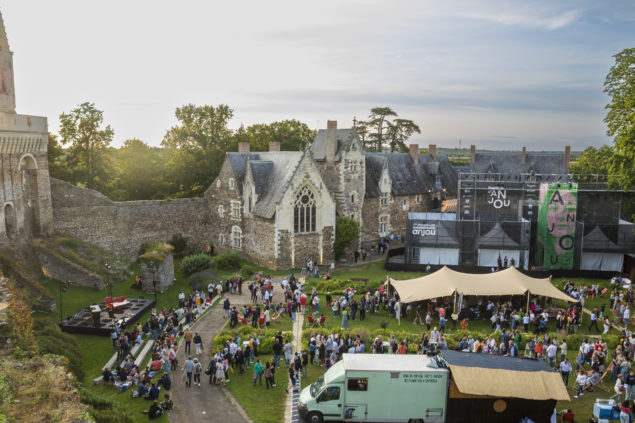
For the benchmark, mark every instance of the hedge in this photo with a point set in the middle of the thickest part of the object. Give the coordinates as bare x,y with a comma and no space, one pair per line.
195,263
265,336
227,261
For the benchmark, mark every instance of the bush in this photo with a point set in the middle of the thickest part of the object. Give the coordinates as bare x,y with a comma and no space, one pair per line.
104,409
347,231
227,261
195,263
200,280
265,336
179,242
246,271
51,340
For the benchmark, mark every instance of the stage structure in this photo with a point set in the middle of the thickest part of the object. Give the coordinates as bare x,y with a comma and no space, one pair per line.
541,221
99,319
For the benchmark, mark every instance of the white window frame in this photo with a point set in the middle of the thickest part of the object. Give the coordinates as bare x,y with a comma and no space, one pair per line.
384,224
221,210
235,209
232,183
221,239
218,183
418,198
405,204
384,199
237,237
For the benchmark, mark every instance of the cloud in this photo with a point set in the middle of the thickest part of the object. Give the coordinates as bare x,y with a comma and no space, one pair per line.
550,22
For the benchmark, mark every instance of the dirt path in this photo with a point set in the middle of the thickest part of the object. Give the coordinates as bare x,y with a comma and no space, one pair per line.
209,402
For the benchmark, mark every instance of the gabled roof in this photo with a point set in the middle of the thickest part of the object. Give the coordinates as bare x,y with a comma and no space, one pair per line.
343,136
271,172
512,163
406,177
441,163
497,238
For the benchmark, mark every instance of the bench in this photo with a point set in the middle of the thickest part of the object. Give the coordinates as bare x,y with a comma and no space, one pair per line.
110,364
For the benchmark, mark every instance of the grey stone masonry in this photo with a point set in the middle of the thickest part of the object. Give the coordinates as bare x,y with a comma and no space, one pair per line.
161,272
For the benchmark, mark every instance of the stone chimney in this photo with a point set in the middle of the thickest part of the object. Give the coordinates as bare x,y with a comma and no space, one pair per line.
243,147
472,153
523,158
274,146
331,140
567,156
432,149
413,149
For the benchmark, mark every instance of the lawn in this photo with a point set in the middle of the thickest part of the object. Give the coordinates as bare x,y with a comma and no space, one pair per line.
373,271
261,404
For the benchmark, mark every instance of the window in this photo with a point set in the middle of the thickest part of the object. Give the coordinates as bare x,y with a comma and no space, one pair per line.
352,165
218,183
358,384
249,203
221,210
353,198
232,183
237,237
330,394
221,239
404,204
419,199
304,212
383,224
384,198
235,209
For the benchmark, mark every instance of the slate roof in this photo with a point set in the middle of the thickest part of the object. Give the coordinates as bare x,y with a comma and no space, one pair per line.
449,175
271,171
344,137
512,163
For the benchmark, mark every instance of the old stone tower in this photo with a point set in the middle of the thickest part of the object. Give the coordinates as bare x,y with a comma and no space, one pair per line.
25,193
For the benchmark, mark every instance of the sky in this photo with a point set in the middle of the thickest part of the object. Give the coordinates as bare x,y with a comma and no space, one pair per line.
497,74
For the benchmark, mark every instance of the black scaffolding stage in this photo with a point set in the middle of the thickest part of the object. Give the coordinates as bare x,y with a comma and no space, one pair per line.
97,320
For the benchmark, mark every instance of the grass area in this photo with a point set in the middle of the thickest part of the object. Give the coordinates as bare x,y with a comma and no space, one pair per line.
373,271
261,404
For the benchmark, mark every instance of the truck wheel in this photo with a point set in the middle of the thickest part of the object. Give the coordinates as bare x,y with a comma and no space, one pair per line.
415,421
314,417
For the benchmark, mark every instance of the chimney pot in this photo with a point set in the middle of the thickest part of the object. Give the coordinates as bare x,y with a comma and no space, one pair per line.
524,156
331,140
472,153
567,156
414,152
274,146
432,149
243,147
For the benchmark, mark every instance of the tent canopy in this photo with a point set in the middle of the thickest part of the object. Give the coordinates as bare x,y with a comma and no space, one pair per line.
445,282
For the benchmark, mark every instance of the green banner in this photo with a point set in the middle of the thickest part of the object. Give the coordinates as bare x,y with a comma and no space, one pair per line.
556,225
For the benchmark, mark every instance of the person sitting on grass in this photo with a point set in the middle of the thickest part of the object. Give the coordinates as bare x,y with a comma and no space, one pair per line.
167,403
154,412
142,391
108,377
153,393
165,381
592,379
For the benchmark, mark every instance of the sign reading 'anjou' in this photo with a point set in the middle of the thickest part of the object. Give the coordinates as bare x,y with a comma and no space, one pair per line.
424,229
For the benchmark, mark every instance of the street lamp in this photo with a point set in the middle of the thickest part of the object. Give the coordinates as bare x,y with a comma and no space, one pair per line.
154,282
111,312
62,289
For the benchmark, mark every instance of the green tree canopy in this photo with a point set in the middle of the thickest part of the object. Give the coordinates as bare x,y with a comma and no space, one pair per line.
620,119
593,161
292,135
197,146
82,129
347,232
384,129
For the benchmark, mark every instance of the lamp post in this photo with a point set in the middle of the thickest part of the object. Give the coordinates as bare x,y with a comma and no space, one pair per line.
62,288
111,312
154,281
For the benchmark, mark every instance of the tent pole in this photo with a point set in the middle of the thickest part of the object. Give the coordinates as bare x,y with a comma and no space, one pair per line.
527,301
454,308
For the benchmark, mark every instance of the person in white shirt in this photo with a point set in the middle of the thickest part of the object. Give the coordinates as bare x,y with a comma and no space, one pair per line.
627,316
618,388
552,351
581,381
434,335
565,369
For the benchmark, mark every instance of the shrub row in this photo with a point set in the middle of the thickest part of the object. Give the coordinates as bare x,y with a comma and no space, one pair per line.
195,263
265,336
51,340
104,409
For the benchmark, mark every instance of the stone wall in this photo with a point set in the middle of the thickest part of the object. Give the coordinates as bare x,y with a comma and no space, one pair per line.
162,273
123,226
258,242
62,269
396,213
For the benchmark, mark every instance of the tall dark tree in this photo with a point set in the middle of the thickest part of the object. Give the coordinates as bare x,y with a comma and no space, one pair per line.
88,140
139,172
56,154
197,146
383,129
620,119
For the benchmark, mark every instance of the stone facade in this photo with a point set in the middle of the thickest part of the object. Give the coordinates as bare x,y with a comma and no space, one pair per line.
24,180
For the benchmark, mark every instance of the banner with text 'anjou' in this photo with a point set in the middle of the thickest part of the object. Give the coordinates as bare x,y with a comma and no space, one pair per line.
556,225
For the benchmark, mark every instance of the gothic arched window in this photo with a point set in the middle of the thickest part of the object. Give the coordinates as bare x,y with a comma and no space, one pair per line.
304,211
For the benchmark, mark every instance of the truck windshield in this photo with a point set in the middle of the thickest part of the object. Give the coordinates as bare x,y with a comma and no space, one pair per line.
316,386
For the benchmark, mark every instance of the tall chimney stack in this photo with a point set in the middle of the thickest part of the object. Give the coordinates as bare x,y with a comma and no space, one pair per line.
413,149
331,140
432,149
472,154
243,147
523,159
274,146
567,156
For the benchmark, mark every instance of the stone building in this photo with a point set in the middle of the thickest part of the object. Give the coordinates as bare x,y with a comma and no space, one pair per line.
25,193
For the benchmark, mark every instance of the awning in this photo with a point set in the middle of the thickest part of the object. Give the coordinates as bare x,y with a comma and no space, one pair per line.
503,383
445,282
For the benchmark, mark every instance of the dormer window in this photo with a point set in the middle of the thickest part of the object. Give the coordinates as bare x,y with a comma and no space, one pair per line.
384,199
232,183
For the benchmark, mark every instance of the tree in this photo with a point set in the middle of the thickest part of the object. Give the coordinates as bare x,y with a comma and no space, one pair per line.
346,232
82,129
292,135
197,147
620,119
593,161
380,131
56,155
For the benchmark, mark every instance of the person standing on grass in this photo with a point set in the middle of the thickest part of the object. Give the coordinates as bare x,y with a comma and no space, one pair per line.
581,381
565,369
258,372
594,320
188,368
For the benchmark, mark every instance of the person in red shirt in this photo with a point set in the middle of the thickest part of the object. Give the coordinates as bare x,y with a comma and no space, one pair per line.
403,348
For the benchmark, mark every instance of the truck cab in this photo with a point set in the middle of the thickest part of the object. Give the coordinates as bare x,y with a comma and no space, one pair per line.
369,387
